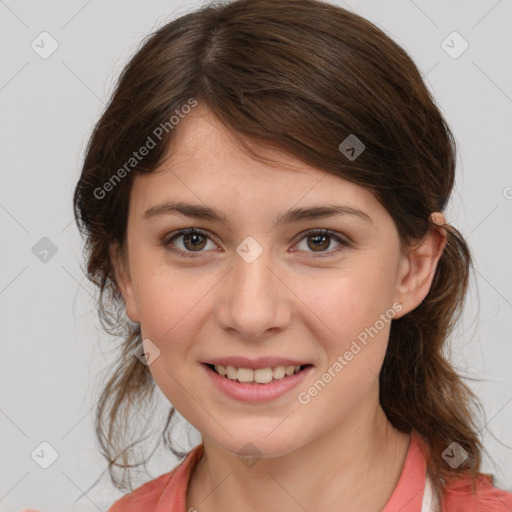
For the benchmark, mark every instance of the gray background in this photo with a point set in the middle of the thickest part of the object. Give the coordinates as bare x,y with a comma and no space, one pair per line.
55,354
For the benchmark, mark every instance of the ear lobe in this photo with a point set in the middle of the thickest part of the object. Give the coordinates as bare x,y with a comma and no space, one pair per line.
420,266
123,280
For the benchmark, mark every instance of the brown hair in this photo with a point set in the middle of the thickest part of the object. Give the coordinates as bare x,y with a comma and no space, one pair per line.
302,75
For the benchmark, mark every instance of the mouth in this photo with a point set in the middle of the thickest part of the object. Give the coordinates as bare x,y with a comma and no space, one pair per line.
257,376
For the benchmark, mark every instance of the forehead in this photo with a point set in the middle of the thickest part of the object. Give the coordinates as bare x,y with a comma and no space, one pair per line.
202,137
205,163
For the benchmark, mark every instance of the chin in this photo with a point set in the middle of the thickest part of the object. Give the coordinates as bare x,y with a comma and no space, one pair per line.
259,444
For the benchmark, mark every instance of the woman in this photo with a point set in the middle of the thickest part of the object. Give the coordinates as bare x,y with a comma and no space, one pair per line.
263,198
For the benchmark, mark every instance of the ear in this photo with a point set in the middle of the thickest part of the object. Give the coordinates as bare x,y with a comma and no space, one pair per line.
123,280
418,268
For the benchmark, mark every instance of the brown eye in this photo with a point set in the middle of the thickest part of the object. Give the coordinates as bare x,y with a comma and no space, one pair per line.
319,242
193,241
187,241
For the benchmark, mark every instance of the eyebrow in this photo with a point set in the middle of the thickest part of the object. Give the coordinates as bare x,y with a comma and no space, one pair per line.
198,211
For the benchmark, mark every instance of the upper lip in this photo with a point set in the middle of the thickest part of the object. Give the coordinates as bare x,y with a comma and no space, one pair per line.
262,362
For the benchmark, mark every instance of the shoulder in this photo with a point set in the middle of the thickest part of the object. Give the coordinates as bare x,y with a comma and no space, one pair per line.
167,490
143,497
476,495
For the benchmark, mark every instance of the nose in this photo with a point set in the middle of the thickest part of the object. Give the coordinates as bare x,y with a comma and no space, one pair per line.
254,301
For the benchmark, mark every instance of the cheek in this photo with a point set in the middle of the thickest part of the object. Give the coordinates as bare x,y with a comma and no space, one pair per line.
359,314
358,309
349,303
168,302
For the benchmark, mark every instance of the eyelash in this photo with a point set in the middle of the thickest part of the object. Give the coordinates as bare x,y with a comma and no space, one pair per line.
166,242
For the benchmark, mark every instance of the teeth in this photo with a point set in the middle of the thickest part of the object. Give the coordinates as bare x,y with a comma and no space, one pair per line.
245,375
289,370
279,372
263,375
231,372
259,376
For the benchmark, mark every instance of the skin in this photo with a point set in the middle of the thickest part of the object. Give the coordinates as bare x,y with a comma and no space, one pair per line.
289,302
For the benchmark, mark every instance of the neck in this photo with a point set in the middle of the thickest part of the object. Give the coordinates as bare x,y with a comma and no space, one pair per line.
331,473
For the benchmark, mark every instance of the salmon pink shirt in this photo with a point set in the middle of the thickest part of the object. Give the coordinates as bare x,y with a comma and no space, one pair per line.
413,492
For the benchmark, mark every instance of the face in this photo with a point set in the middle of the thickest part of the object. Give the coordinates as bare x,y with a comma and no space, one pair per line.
256,297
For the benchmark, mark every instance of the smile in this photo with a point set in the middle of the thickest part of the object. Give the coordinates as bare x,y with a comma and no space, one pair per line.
267,379
258,375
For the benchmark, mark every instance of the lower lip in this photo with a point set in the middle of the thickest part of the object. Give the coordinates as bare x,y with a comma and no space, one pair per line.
256,392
